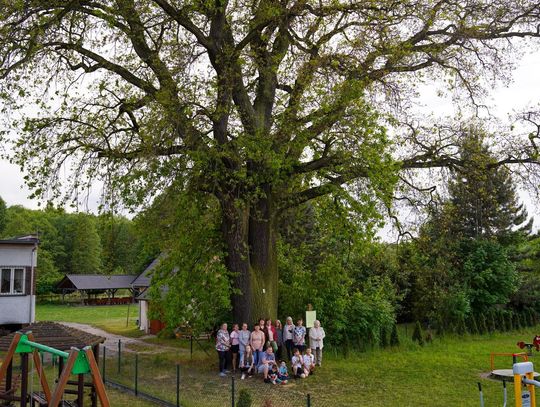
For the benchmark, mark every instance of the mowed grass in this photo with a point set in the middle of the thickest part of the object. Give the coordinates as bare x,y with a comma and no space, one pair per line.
442,373
111,318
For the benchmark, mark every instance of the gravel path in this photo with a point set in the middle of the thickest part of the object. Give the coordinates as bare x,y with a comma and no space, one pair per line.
111,340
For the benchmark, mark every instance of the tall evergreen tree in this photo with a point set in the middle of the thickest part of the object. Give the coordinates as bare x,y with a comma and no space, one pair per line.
466,247
483,198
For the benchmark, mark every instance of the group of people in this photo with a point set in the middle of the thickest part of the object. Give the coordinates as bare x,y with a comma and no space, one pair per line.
262,350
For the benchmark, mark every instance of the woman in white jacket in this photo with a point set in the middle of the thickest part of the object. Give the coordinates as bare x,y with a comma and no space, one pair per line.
316,336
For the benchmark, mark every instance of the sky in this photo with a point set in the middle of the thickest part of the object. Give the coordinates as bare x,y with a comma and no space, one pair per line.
522,92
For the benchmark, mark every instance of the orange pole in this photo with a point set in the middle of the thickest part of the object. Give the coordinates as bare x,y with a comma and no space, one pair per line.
40,372
9,356
96,377
64,377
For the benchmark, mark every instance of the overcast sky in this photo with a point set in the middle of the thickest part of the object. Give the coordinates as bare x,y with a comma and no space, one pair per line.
524,91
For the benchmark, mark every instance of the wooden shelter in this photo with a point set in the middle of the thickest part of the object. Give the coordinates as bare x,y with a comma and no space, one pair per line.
96,284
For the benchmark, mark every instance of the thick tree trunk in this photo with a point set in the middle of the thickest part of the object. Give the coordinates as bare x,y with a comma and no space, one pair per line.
249,233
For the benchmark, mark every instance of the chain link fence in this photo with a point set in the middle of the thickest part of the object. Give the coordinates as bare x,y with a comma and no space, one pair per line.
159,378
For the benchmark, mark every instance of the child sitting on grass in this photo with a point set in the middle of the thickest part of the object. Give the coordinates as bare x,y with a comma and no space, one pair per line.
283,374
297,364
309,362
274,375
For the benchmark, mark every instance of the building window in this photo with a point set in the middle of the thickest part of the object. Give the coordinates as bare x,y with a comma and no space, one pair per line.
11,281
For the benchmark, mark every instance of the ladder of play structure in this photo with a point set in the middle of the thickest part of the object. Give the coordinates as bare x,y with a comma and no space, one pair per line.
76,362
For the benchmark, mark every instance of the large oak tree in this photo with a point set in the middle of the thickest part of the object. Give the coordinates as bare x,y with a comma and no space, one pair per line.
264,104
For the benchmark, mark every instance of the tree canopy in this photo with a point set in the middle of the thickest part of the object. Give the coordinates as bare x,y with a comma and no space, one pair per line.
263,104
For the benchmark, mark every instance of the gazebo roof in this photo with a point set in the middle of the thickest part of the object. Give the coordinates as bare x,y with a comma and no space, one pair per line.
55,335
95,282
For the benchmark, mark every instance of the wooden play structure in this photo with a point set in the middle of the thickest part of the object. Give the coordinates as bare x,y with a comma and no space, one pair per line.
77,362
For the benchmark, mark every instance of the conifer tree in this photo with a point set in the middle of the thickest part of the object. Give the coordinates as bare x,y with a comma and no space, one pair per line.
244,398
483,196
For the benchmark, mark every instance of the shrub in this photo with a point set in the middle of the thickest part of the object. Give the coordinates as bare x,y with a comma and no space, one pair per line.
383,337
530,317
492,324
244,399
482,324
502,324
429,336
516,321
440,326
394,336
461,329
417,334
509,322
472,325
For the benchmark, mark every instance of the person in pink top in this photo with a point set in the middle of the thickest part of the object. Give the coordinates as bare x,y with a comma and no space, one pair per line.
271,335
257,343
235,346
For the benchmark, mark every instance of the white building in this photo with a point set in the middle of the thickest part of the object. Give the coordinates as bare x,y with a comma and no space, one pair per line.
18,259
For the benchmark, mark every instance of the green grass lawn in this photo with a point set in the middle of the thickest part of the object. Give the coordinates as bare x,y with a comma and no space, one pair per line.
112,318
442,373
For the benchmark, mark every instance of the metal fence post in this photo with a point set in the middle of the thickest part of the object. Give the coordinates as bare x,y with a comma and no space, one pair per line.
119,353
232,391
308,400
177,385
103,367
136,374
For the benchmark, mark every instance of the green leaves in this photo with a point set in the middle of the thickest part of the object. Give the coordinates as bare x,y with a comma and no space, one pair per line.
191,286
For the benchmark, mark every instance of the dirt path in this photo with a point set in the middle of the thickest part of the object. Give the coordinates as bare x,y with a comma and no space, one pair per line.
111,340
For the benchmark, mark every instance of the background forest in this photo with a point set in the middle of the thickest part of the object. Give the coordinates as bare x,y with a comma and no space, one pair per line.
473,265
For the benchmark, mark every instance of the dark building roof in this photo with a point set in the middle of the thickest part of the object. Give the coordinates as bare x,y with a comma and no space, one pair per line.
143,279
56,336
145,295
22,240
95,282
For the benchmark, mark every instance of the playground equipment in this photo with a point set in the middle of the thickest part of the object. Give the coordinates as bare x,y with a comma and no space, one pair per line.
75,362
524,374
535,344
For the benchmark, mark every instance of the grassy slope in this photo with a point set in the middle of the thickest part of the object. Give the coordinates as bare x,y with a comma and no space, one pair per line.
443,373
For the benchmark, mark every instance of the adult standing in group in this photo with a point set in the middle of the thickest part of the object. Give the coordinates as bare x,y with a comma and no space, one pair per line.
223,344
257,341
271,335
279,339
316,336
244,337
262,326
299,335
288,334
235,346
